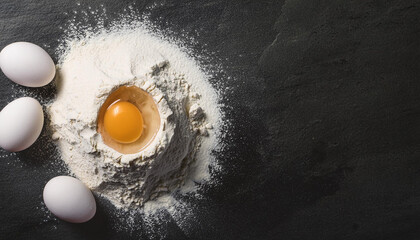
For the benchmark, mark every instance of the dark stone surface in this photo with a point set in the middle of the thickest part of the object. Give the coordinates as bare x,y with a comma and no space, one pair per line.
325,142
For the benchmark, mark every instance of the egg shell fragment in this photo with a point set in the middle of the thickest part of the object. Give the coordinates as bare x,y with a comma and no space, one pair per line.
21,123
69,199
27,64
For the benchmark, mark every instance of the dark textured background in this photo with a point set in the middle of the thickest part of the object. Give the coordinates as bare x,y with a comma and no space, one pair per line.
324,97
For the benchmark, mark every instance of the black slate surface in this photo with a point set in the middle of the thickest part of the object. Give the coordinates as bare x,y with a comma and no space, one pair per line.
324,97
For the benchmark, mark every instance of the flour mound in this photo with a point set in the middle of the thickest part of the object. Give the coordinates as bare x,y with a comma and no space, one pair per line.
90,68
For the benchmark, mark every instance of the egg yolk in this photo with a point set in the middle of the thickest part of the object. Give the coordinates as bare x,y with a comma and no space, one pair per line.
123,122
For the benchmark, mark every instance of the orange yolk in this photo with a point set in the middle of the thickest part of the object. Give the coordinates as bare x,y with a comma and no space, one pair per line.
123,122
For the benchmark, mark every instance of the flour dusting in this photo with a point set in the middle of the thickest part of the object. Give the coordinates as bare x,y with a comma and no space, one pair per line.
93,63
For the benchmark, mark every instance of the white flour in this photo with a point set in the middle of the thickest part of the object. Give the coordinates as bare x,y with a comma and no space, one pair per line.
95,65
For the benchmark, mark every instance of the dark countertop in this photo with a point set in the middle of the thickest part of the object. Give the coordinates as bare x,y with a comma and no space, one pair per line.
325,105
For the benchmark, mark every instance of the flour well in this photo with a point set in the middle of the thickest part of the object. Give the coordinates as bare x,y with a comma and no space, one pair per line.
90,68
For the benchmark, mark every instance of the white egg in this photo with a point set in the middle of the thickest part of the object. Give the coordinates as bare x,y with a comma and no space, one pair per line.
69,199
27,64
21,123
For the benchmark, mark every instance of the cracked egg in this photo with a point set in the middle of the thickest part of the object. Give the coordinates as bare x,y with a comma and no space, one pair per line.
128,120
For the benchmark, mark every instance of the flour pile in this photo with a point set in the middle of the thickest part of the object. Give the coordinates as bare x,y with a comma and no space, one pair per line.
90,68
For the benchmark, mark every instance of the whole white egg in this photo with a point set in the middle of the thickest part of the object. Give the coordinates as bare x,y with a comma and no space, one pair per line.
27,64
69,199
21,123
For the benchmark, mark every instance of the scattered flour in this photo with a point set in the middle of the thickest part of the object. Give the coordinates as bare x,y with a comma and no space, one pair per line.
93,65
